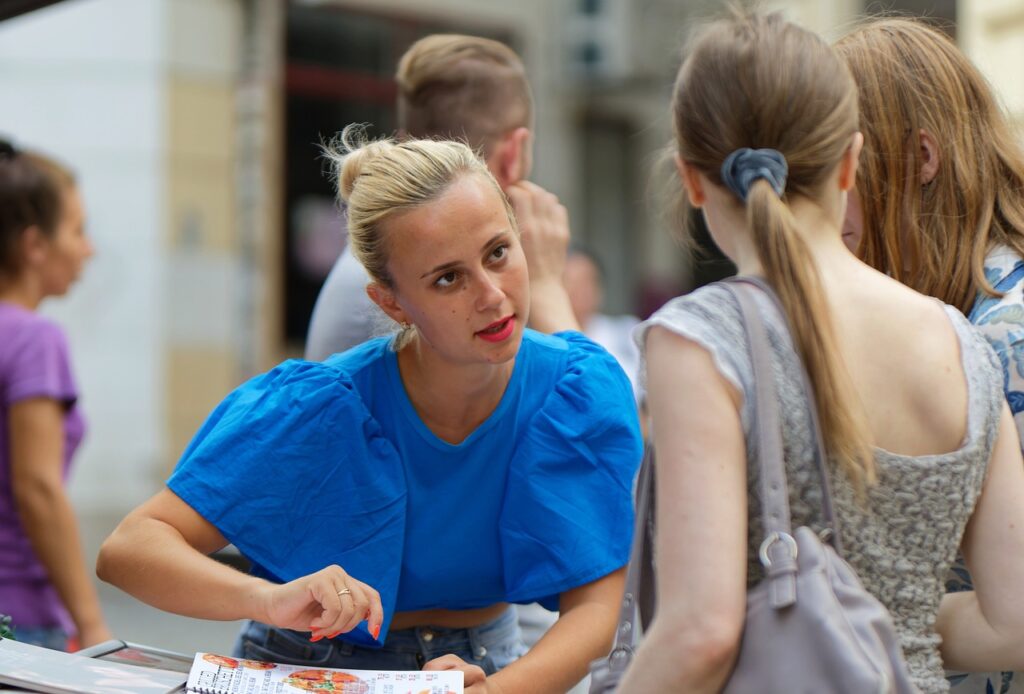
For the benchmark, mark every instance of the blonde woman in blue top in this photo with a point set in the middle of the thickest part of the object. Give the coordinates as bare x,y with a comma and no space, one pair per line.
397,497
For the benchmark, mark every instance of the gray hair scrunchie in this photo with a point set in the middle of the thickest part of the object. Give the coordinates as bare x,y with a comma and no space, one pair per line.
744,166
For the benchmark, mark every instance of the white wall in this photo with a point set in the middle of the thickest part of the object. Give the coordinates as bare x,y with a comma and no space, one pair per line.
82,81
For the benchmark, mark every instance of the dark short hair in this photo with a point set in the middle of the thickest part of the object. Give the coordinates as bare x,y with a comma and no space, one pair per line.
32,189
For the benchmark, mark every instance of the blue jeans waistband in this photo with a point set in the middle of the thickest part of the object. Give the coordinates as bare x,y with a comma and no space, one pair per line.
419,639
492,646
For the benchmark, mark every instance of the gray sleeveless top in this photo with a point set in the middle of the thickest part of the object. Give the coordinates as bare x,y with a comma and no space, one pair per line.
902,540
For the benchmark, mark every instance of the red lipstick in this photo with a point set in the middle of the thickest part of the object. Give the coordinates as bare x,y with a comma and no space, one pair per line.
499,330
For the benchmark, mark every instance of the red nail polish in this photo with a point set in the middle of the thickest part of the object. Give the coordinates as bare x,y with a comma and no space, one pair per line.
331,636
314,639
375,633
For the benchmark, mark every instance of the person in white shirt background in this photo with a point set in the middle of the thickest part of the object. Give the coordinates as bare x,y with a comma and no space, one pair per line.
584,281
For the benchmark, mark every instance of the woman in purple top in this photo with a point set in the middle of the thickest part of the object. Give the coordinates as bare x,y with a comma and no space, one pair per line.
44,584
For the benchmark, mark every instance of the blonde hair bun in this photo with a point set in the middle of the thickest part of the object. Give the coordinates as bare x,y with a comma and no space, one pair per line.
351,154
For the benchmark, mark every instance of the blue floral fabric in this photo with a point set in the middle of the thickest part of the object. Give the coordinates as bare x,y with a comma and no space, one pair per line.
1001,321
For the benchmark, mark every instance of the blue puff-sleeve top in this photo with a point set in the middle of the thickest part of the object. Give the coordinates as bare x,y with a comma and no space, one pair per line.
313,464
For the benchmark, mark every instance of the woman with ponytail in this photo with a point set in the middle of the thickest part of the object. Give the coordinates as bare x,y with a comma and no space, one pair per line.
395,498
767,145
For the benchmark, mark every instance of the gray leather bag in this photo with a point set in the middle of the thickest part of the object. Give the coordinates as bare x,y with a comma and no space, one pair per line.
810,626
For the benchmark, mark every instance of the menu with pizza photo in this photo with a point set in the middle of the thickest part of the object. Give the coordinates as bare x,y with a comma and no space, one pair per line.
219,674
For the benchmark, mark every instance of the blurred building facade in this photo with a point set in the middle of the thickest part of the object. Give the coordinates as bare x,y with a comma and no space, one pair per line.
991,32
194,126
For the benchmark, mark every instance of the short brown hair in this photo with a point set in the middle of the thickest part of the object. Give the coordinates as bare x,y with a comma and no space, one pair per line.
469,88
32,189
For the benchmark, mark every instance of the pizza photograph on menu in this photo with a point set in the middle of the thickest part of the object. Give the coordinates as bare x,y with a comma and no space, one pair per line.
327,681
258,664
220,660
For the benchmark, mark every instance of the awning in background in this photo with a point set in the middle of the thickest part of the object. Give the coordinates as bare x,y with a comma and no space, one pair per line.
12,8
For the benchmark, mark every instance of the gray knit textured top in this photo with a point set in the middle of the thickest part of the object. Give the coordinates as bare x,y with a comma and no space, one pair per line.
902,540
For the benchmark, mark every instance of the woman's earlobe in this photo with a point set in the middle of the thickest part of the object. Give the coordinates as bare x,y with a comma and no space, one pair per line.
385,300
690,179
32,245
850,163
930,156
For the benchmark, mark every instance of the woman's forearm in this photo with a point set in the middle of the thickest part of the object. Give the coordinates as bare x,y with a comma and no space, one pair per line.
970,643
49,522
562,657
680,660
150,559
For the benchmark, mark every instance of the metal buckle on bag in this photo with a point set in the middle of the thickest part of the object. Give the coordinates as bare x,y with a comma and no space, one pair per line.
773,537
620,658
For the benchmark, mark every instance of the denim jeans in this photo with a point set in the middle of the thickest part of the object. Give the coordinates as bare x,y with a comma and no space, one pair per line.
48,637
490,646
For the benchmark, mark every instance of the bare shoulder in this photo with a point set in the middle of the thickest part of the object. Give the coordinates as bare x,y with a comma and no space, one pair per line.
891,306
901,348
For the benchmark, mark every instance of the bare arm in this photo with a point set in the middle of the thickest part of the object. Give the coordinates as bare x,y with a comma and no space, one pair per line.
544,230
37,459
583,632
983,630
702,522
158,554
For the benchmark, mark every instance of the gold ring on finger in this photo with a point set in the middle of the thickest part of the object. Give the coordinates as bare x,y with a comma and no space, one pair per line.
344,591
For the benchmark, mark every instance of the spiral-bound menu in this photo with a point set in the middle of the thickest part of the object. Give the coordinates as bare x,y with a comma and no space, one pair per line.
218,674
